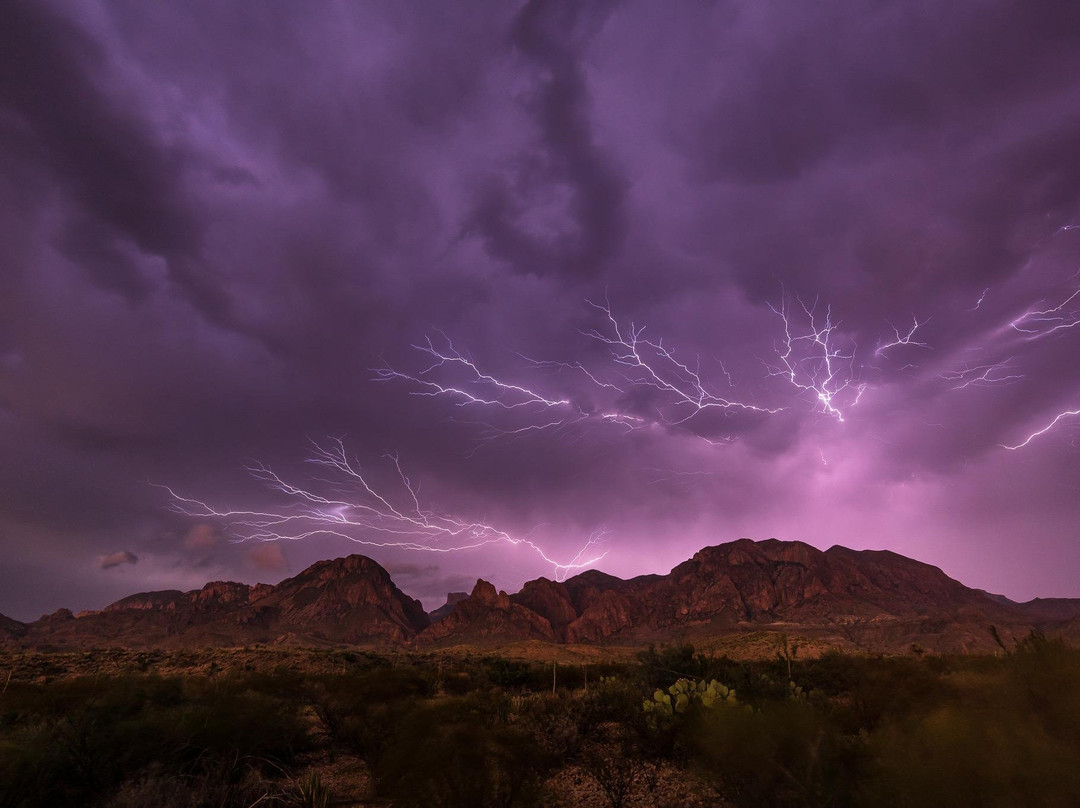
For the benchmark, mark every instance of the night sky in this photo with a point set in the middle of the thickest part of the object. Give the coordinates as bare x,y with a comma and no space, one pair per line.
226,228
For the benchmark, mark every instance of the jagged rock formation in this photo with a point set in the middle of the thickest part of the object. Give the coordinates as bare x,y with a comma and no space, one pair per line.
868,599
486,616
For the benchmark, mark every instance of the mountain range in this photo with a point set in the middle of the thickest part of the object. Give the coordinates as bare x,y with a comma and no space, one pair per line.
852,599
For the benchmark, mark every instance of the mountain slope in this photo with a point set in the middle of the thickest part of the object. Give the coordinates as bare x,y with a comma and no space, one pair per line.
866,599
10,628
347,600
869,599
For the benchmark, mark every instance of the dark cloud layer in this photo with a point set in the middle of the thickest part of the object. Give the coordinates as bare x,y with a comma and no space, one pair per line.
221,221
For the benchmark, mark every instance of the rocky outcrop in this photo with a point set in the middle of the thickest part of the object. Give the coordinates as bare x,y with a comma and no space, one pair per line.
548,599
487,616
221,593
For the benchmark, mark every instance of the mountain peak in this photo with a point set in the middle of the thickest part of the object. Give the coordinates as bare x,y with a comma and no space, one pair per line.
743,551
484,592
341,600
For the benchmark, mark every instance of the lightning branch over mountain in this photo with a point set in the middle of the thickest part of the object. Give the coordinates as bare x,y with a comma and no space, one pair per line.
341,500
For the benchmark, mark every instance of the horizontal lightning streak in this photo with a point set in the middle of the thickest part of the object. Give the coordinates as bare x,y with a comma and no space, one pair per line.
982,376
518,395
408,526
1060,416
637,362
1038,323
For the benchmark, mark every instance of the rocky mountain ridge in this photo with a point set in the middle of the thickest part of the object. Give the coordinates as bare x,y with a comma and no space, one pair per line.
349,600
870,599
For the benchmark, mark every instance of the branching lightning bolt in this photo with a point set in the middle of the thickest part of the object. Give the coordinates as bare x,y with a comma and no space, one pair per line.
1036,323
906,339
637,362
994,375
647,363
1059,417
490,390
349,506
813,362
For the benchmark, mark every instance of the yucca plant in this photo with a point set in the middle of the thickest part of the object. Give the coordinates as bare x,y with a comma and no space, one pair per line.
313,793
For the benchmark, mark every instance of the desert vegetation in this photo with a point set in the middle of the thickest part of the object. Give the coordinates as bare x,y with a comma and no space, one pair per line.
671,727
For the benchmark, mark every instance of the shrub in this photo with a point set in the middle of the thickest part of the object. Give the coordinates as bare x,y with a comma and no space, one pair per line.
454,754
782,754
63,752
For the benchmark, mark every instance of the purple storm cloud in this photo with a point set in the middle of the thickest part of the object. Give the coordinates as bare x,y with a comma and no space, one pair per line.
559,284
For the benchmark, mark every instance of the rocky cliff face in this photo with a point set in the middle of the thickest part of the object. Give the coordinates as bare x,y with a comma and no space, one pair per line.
549,600
869,599
487,616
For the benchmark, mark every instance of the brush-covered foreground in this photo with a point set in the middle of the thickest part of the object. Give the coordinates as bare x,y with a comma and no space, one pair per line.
669,728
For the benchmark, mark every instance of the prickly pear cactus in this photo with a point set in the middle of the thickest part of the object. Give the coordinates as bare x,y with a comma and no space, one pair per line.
796,691
685,692
659,705
682,690
715,694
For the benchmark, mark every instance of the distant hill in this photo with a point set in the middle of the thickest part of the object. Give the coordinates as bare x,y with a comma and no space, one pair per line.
11,628
348,600
452,600
874,600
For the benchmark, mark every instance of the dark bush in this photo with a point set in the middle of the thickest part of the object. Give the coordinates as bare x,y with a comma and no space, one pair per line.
782,754
75,743
456,754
